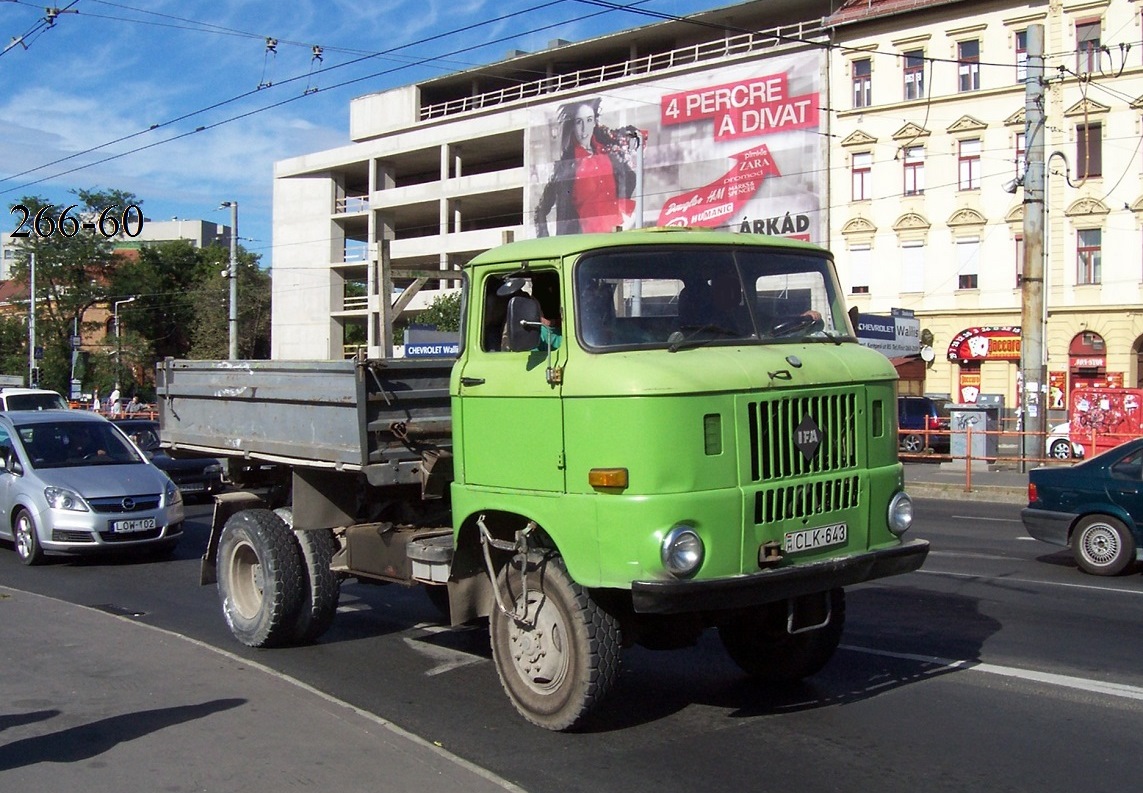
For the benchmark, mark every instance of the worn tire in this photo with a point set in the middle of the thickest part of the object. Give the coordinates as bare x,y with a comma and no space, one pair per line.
1061,450
562,663
260,578
759,644
25,539
322,585
1102,545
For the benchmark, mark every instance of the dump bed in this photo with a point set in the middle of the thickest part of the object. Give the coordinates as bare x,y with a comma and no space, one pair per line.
324,414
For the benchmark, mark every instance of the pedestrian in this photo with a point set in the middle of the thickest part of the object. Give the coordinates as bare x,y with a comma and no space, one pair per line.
113,402
95,400
134,406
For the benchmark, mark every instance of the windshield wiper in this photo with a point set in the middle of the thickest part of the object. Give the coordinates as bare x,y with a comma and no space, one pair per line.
678,338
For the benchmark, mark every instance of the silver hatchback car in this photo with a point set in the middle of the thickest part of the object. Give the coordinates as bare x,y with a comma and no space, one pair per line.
71,482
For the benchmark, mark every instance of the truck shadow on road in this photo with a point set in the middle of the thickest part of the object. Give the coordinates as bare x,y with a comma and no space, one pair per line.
895,636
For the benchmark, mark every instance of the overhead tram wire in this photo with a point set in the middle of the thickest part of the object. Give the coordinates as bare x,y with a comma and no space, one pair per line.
286,81
203,128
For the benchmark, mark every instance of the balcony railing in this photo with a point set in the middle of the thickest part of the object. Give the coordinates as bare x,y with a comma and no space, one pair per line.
352,203
649,64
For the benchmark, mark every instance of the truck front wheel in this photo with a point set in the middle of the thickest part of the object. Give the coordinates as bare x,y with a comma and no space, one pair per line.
558,656
260,578
760,643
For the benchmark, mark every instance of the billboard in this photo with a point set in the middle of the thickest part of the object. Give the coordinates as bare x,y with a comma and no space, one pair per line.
894,336
738,148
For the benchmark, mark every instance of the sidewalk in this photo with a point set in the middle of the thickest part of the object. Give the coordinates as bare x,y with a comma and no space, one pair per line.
102,704
937,480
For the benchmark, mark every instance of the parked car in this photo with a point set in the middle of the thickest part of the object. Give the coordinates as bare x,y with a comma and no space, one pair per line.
924,423
31,399
1060,446
1094,507
71,482
194,475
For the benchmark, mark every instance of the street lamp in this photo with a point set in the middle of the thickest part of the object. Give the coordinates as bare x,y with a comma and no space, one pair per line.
119,342
232,274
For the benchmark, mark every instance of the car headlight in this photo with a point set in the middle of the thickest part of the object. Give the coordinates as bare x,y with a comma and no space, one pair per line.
62,498
173,494
900,515
682,551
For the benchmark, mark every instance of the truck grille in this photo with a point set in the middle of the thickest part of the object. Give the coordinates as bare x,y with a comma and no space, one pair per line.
773,427
803,500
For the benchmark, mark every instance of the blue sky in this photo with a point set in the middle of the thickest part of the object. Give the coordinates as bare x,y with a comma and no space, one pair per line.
81,95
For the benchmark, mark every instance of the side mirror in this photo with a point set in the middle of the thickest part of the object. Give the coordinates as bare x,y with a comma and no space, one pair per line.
523,323
12,464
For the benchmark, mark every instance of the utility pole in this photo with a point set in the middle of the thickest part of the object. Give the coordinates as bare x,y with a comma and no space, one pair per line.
32,379
1032,404
232,274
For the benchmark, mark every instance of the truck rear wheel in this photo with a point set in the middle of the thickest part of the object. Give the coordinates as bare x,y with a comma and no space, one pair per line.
260,578
761,645
322,585
559,658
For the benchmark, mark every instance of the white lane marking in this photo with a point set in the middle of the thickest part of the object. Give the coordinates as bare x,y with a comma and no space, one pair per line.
981,517
1093,587
447,659
1121,690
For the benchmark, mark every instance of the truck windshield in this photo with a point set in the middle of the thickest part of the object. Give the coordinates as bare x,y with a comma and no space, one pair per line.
687,296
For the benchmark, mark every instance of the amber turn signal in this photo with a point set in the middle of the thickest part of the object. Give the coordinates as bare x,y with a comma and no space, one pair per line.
607,477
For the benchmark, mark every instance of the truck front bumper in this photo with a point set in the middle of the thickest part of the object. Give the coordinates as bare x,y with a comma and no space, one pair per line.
768,586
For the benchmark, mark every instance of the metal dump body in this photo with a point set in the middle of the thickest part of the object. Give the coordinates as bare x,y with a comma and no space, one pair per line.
322,414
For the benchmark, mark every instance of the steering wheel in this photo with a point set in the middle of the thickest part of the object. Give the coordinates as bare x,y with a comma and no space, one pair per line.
804,322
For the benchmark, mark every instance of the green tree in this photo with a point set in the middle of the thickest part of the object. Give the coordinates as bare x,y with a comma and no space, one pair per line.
443,313
210,329
13,346
73,266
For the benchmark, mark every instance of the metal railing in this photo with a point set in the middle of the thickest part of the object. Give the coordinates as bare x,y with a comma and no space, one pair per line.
742,44
351,203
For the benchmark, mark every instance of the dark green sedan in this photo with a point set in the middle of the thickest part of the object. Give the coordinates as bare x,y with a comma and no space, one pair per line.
1095,508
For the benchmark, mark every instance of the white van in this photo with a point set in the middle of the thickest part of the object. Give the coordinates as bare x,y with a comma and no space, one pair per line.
31,399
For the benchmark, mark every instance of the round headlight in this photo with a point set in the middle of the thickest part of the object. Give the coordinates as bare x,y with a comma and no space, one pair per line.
682,551
900,513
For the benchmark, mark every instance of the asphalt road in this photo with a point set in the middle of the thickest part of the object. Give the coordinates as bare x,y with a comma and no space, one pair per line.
998,666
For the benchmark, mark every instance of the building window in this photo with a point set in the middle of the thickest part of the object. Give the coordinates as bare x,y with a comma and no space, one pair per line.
1089,151
1021,55
1021,154
862,174
862,83
912,267
1019,260
914,170
968,263
914,74
1087,46
968,162
1088,256
859,270
968,66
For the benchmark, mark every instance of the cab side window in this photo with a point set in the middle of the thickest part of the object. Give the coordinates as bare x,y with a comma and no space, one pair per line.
1130,467
543,286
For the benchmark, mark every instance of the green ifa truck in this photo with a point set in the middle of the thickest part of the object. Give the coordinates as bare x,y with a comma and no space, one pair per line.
645,435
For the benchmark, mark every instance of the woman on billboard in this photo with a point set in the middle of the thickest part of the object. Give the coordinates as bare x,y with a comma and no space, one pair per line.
592,184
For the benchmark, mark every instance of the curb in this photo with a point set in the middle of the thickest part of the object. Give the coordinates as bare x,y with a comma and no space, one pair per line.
994,493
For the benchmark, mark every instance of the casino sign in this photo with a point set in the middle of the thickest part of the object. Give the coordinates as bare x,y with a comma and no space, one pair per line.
986,343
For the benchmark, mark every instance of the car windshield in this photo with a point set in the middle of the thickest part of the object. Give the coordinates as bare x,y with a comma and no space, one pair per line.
69,444
35,402
688,296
